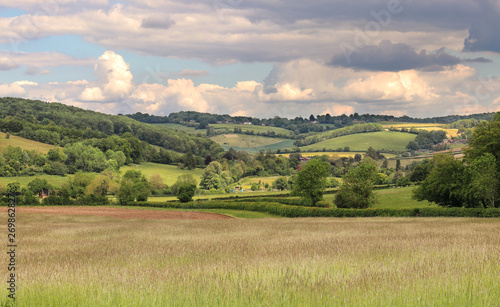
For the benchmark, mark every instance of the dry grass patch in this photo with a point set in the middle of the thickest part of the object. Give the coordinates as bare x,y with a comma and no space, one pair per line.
98,261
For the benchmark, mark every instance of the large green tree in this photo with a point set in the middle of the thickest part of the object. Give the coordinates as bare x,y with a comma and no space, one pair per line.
356,190
445,183
214,177
310,182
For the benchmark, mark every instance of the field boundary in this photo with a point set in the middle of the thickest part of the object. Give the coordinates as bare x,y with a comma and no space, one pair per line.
300,211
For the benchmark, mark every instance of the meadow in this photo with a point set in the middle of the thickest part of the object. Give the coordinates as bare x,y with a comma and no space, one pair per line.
168,172
256,129
178,127
26,144
251,143
388,140
102,261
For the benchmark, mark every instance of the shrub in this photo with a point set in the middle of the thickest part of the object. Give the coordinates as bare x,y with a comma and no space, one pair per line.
322,204
186,193
92,200
57,201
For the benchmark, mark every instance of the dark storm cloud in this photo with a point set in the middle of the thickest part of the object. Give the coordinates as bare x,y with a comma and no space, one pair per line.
395,57
483,34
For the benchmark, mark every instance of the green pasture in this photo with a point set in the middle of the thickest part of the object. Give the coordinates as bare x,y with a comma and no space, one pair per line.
243,140
388,140
26,144
56,181
168,172
178,127
255,128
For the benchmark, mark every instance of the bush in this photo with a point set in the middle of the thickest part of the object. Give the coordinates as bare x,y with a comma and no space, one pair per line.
186,193
57,201
322,204
92,200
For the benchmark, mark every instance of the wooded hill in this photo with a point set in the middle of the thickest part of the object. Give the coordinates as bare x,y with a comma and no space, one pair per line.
59,124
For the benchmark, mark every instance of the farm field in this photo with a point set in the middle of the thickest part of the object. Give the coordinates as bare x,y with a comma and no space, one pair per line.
243,140
178,127
279,145
105,261
255,128
26,144
388,140
168,172
54,180
423,126
336,154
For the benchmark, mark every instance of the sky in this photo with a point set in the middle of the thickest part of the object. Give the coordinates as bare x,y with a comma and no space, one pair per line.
260,58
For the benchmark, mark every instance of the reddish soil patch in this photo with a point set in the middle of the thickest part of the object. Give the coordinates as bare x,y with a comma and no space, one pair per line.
122,213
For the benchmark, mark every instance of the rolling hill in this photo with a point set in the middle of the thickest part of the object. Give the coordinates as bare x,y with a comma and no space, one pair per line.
384,140
26,144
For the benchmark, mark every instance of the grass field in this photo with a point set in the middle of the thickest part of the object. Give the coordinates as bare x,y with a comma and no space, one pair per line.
423,126
168,172
255,128
280,145
56,181
388,140
16,141
178,127
98,261
242,140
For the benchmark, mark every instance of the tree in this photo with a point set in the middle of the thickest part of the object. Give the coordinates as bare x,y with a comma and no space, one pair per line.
310,182
445,183
186,193
280,184
214,177
37,185
356,190
398,164
483,181
134,186
156,183
372,153
186,179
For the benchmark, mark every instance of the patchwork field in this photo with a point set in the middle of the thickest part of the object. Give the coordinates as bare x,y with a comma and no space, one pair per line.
16,141
388,140
255,128
429,127
104,261
168,172
335,154
242,140
178,127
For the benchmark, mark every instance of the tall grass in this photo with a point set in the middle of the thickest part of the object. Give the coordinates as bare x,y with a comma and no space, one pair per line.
96,261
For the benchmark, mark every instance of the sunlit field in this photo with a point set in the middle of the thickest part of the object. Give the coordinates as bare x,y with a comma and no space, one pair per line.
98,261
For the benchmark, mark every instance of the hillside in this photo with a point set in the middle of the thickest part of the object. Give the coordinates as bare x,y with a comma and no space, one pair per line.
59,124
25,144
384,140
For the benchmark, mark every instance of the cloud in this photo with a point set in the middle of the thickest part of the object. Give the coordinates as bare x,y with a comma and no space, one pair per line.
483,35
157,21
11,90
301,87
114,79
393,57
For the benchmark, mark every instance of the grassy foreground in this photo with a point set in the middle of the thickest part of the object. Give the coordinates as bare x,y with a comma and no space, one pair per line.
97,261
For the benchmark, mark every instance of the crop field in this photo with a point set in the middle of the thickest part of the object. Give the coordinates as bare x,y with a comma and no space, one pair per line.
71,260
388,140
168,172
26,144
242,140
255,128
423,126
336,154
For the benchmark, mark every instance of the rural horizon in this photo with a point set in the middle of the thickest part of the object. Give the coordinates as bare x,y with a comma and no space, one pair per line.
250,153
